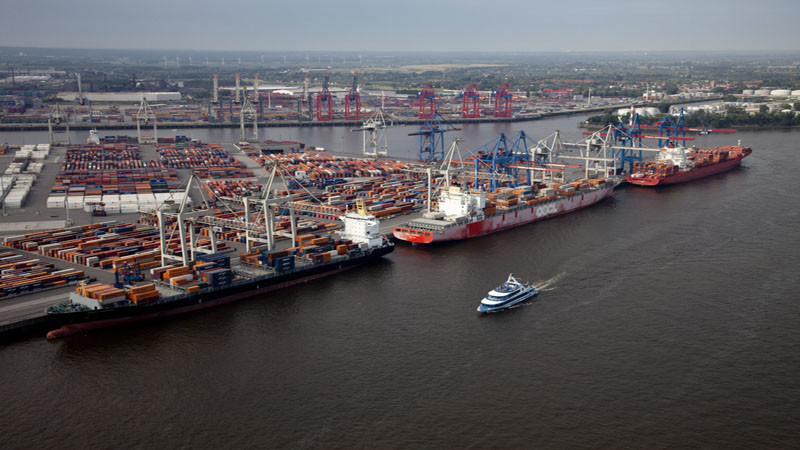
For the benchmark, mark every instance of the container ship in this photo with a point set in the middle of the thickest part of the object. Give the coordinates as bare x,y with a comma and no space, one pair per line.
210,280
464,214
677,165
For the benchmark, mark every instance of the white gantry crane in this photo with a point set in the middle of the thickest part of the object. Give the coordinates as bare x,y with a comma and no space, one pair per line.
262,229
144,116
374,131
79,98
214,89
55,118
246,113
237,95
255,90
183,223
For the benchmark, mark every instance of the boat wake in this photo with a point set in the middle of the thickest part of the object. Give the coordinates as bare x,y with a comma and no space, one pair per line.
550,283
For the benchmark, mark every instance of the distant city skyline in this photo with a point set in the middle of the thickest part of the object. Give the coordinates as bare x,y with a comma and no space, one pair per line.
412,25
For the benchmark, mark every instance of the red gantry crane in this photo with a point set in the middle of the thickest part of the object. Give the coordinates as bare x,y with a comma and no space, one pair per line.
502,101
324,97
471,102
427,102
352,101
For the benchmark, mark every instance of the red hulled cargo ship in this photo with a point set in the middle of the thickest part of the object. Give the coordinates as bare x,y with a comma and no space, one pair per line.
677,165
465,214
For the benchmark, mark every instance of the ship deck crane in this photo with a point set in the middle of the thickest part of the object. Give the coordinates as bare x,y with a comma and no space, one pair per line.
127,275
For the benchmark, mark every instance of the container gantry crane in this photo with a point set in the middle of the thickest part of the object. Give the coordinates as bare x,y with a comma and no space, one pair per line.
375,141
324,97
674,130
470,102
307,96
237,90
215,90
500,158
558,95
352,101
246,113
55,118
144,116
431,138
502,101
427,103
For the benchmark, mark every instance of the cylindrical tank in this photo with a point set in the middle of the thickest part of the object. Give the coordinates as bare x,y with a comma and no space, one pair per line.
748,92
761,92
780,93
796,93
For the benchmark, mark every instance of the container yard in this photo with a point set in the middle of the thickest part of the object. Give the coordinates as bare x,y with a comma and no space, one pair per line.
119,176
115,177
111,178
206,160
20,275
107,245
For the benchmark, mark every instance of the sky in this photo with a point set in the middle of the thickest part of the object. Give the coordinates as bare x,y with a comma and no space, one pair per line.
404,25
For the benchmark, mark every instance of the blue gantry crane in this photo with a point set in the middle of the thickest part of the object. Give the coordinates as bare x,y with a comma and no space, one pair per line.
629,135
431,138
500,158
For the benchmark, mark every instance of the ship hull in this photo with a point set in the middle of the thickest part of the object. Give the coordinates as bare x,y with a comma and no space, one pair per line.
506,220
682,177
78,322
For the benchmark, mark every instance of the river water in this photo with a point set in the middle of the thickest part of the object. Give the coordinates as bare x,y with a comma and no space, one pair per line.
668,318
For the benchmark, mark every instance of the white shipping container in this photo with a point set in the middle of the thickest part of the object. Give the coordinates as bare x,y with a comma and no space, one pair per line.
13,202
56,201
74,202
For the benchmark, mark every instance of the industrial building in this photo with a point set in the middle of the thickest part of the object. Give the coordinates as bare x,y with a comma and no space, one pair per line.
130,97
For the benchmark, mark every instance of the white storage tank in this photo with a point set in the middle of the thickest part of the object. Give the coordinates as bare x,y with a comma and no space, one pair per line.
780,93
761,92
748,92
796,93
